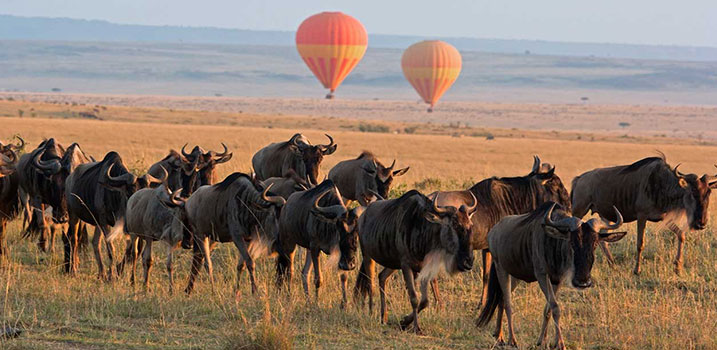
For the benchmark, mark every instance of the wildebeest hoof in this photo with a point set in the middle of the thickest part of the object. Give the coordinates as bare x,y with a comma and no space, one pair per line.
10,332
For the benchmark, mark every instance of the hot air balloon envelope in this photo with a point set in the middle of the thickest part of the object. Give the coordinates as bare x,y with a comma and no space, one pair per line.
431,67
331,44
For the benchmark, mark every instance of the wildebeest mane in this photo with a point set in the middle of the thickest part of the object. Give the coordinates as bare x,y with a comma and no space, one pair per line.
540,212
366,155
498,197
229,180
641,163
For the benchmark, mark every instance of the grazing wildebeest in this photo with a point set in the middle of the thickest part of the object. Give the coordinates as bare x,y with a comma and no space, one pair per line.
544,246
155,214
237,210
416,235
317,220
362,178
285,186
10,205
647,190
499,197
206,165
97,194
276,159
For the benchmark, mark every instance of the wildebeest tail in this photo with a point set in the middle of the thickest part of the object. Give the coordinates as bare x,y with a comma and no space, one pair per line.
495,298
36,224
282,268
364,280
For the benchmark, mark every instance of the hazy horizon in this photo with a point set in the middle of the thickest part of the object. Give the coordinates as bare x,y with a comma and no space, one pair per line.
637,22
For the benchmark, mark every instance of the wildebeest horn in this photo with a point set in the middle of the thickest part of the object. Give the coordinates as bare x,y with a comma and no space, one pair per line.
218,156
184,153
174,198
20,145
612,226
378,196
151,179
328,149
436,208
8,160
571,223
473,207
677,173
118,181
276,200
536,165
392,165
52,166
331,212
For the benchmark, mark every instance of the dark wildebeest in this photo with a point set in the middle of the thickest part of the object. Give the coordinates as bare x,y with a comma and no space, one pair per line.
413,234
206,165
97,194
182,173
647,190
276,159
546,246
10,205
318,221
237,210
499,197
155,214
362,178
285,186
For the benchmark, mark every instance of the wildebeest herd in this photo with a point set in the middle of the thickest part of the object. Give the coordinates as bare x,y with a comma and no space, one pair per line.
528,228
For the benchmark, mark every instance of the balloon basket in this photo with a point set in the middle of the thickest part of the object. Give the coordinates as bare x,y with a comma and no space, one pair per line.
330,96
429,110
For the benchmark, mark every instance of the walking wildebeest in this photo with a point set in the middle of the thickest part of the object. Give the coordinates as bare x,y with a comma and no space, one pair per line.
97,194
237,210
647,190
361,178
318,221
285,186
544,246
500,197
276,159
155,214
10,205
413,234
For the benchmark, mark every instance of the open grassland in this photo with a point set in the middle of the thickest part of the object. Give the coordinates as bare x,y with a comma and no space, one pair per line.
656,310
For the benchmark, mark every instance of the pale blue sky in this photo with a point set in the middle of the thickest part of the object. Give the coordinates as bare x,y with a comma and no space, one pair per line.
671,22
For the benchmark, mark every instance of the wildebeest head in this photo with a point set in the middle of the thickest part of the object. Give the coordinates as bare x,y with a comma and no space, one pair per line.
206,162
117,177
311,155
48,160
346,225
696,196
548,184
180,224
384,177
583,237
7,162
456,230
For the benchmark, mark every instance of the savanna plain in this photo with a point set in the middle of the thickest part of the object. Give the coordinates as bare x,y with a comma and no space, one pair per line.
656,310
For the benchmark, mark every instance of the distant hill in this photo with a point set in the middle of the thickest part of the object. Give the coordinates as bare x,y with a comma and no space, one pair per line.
65,29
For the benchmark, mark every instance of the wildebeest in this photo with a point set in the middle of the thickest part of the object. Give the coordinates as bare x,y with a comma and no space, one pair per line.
155,214
317,220
647,190
499,197
276,159
182,173
285,186
10,205
544,246
362,178
206,165
97,194
416,235
237,210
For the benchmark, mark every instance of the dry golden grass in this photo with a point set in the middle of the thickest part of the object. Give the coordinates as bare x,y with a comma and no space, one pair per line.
657,310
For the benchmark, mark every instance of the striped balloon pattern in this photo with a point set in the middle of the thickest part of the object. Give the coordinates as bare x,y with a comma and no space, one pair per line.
431,67
331,44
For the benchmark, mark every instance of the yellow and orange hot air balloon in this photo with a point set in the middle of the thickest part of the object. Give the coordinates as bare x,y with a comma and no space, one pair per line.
431,67
331,44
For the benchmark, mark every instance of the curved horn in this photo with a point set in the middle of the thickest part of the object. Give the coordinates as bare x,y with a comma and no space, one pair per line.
612,226
52,166
20,145
333,211
331,141
124,179
276,200
435,206
392,165
5,160
175,198
151,179
570,223
473,207
536,165
184,153
214,154
676,172
378,196
330,148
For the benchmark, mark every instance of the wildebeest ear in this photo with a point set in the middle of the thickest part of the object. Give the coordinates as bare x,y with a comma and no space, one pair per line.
433,217
555,233
400,172
612,236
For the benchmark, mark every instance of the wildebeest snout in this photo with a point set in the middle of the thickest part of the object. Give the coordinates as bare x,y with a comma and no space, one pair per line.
465,263
582,284
347,264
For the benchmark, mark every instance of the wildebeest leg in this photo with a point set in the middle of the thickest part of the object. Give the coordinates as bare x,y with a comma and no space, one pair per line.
240,271
206,252
110,254
382,277
413,317
42,240
498,332
640,243
436,292
305,273
170,274
132,256
411,289
547,288
197,259
239,242
147,262
68,240
98,254
680,245
546,317
3,226
316,260
487,261
344,279
505,286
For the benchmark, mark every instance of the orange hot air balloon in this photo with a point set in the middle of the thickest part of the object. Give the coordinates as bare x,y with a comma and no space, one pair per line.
431,67
331,44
